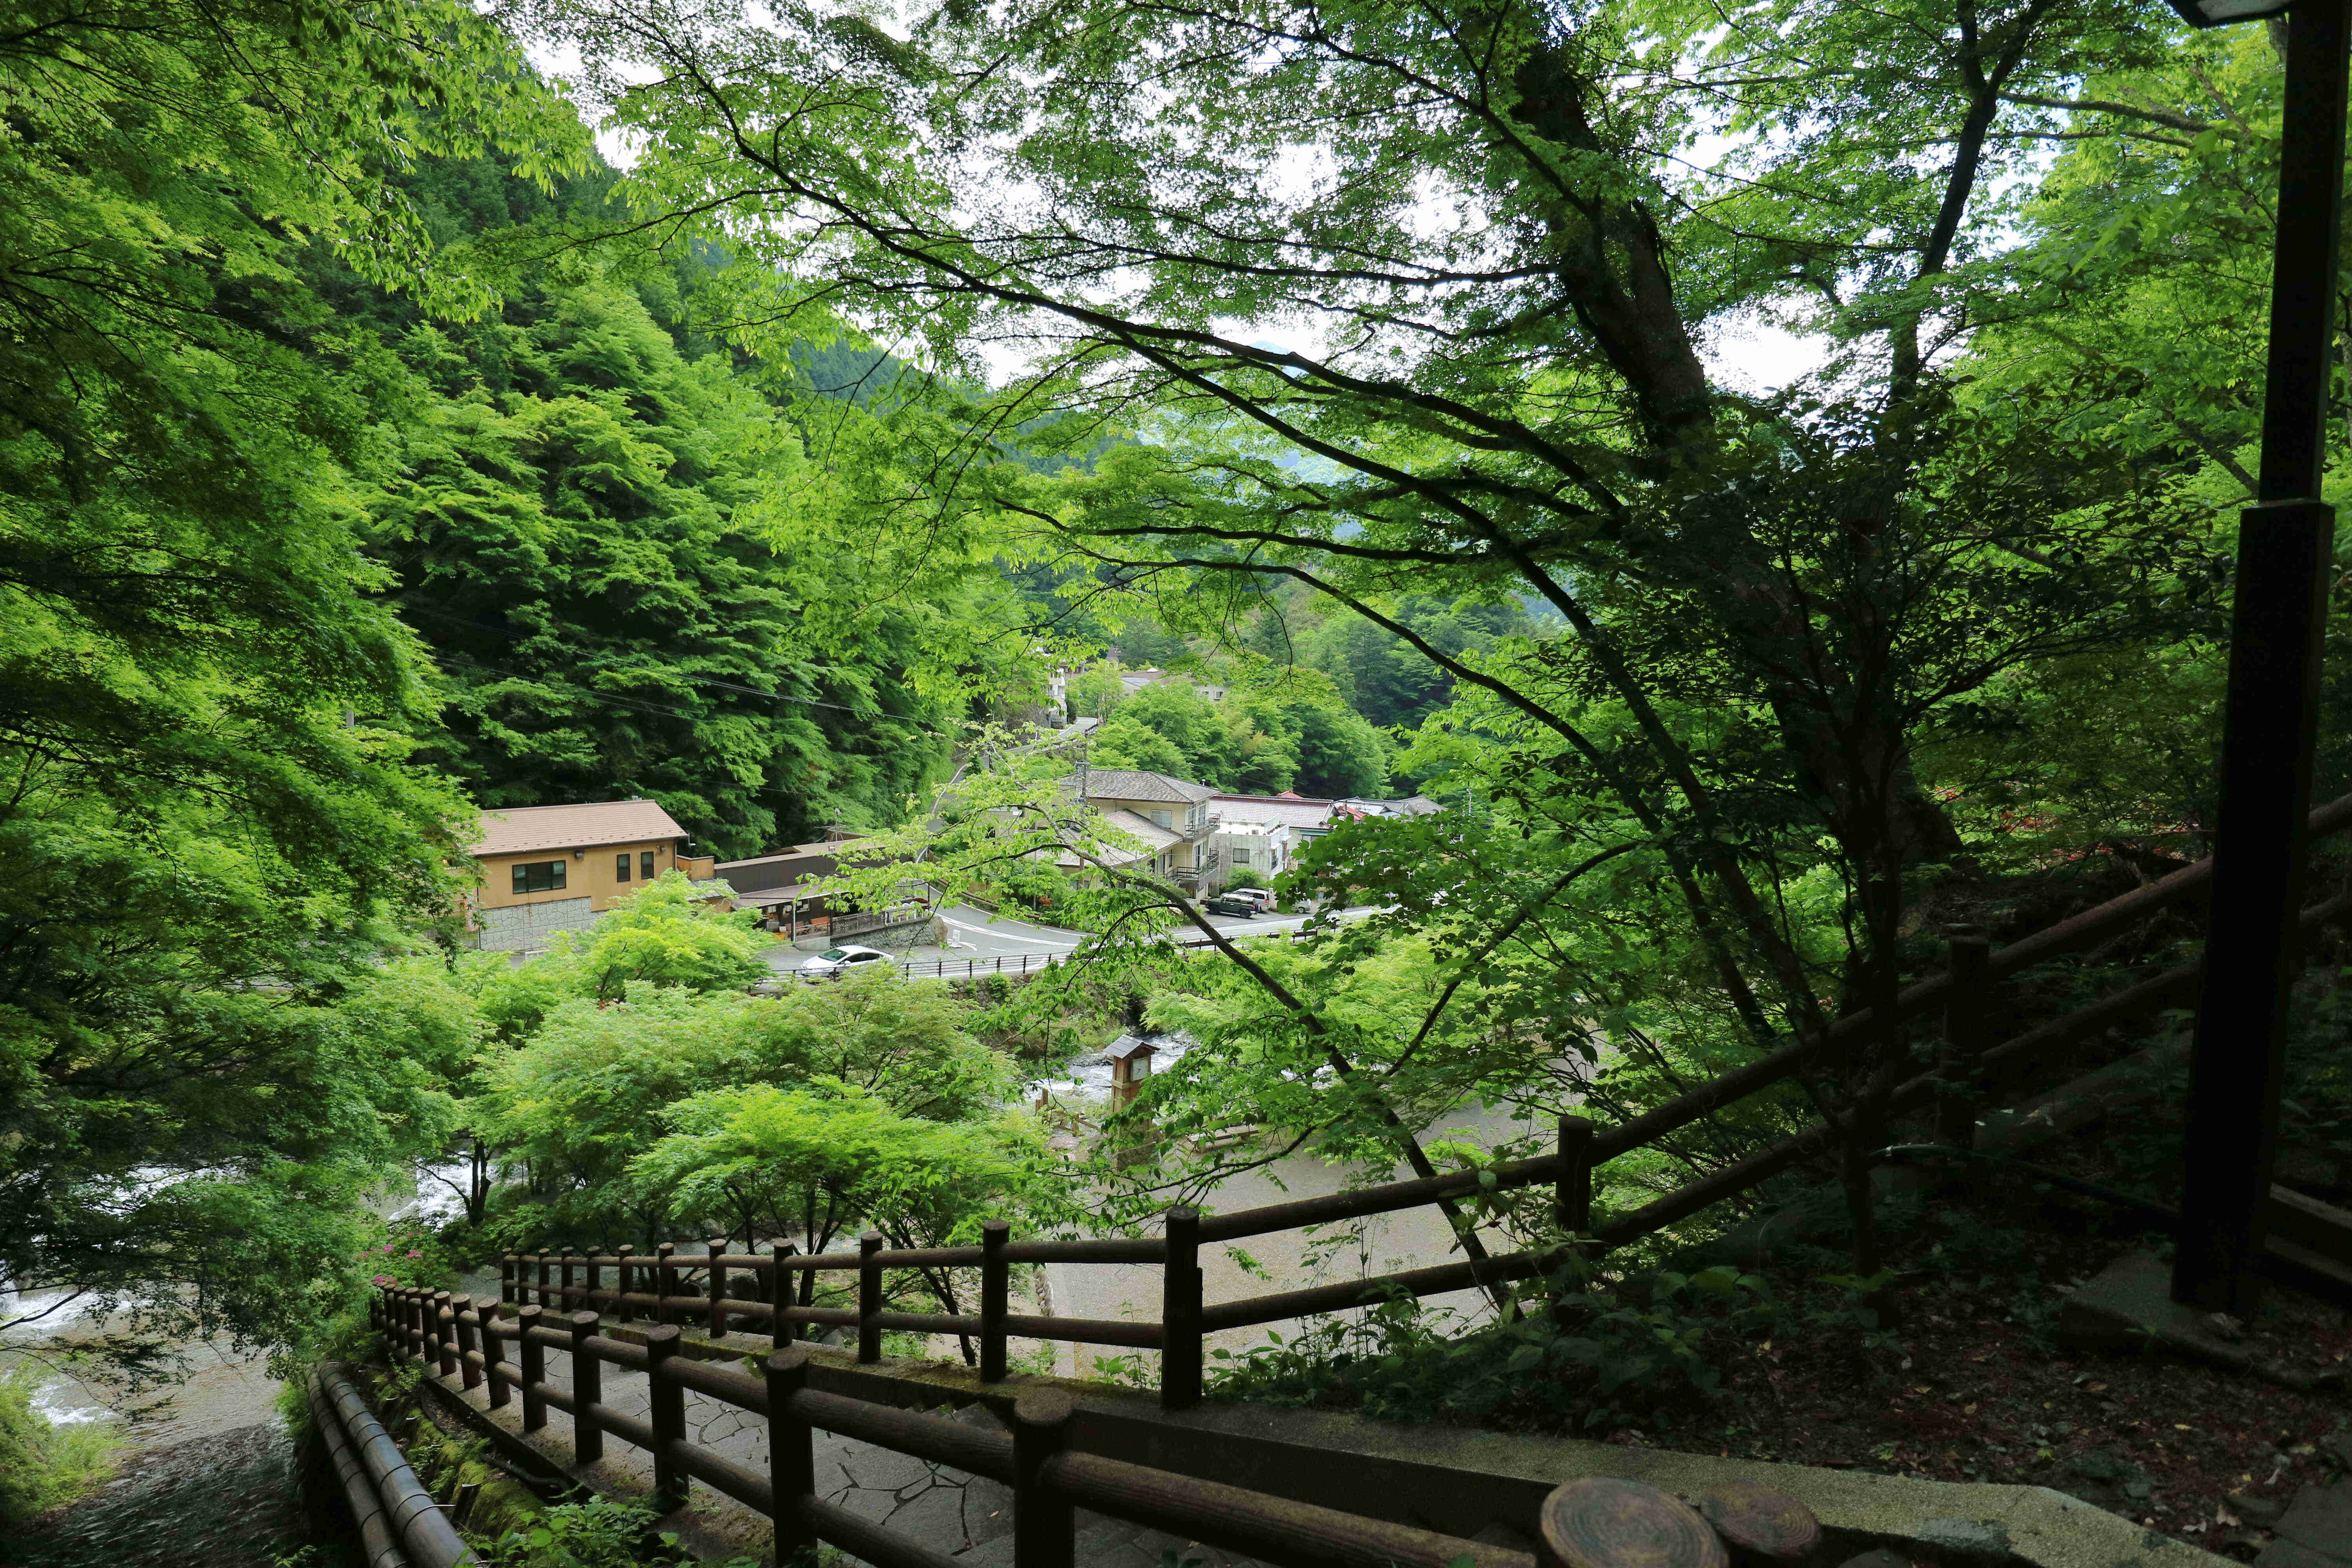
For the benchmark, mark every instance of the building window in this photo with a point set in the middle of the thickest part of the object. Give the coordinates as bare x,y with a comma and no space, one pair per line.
1240,856
621,867
645,862
1159,819
539,876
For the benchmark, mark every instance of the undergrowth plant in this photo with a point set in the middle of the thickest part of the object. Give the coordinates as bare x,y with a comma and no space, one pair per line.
44,1466
1585,1351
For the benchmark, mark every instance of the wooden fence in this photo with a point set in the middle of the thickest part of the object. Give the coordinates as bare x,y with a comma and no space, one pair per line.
1050,1474
1965,993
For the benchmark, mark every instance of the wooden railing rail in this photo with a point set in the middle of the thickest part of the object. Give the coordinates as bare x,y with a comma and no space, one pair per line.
1050,1478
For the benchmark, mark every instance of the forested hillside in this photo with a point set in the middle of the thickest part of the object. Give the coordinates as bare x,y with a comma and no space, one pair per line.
602,527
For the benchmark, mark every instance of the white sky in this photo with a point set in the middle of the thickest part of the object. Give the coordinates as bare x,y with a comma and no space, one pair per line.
1754,356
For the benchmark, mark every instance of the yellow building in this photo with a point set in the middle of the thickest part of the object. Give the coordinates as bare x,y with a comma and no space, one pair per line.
546,868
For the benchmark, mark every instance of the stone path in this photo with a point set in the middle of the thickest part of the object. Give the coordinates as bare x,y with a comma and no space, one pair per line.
2315,1531
946,1510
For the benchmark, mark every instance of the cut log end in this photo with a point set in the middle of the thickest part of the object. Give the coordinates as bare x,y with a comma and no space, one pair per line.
1604,1523
1761,1524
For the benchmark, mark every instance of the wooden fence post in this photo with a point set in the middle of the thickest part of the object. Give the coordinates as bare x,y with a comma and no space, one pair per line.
666,1397
1571,1198
466,1320
444,1334
564,1297
870,1297
595,1282
587,1391
780,1296
1600,1518
621,1283
497,1380
533,1357
506,1262
1043,1523
545,1279
404,1310
718,1289
995,1285
666,1281
1179,1312
1968,1013
792,1454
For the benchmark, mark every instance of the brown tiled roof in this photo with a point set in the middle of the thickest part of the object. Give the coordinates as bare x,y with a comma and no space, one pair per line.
521,828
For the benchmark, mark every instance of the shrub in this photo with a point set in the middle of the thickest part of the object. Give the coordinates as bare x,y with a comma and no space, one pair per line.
44,1466
1594,1356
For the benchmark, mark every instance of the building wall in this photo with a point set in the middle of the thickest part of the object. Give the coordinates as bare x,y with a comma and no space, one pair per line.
527,927
589,875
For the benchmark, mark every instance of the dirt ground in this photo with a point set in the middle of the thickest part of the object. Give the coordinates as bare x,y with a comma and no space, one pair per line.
1978,1392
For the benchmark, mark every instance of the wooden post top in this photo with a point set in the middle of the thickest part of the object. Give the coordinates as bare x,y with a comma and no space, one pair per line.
1601,1521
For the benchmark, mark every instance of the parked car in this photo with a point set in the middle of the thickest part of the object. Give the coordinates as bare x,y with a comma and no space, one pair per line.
1233,904
1263,897
835,961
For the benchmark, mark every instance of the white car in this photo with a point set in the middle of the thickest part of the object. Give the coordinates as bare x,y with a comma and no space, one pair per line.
839,961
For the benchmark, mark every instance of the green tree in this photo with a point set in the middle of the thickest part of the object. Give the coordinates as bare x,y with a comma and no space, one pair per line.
1499,302
666,934
576,1100
211,821
604,545
808,1163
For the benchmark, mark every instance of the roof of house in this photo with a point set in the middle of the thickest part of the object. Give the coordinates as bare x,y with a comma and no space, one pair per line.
1134,783
1154,836
1411,805
1272,809
783,868
521,828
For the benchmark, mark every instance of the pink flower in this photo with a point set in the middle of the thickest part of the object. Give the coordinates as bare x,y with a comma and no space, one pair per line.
417,1255
383,1279
387,1249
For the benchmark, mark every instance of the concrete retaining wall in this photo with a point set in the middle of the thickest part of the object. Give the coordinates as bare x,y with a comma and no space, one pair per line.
520,928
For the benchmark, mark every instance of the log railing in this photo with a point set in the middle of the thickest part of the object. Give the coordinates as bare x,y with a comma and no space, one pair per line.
653,1285
394,1519
1051,1476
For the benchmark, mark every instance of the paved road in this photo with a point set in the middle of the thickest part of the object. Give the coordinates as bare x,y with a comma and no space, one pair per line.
1292,1259
974,934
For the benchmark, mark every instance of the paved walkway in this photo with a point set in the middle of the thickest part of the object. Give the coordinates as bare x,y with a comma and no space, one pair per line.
2317,1531
945,1509
1288,1259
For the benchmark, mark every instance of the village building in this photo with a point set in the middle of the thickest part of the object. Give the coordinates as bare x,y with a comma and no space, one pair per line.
546,868
1167,814
780,885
